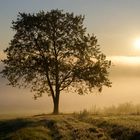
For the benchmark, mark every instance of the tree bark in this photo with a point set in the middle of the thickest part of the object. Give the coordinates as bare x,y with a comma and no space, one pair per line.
56,104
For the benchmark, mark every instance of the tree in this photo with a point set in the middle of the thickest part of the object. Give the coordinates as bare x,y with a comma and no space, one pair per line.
51,52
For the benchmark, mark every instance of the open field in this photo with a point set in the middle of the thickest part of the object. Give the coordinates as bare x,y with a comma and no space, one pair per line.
80,126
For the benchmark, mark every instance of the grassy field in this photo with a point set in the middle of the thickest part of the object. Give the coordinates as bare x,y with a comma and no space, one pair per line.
82,126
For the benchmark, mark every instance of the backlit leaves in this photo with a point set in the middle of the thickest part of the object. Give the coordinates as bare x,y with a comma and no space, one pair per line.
52,50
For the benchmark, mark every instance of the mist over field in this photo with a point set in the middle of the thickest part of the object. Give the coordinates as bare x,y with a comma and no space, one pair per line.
124,75
116,34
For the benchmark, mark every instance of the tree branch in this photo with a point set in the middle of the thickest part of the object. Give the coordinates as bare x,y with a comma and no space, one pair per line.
66,85
46,68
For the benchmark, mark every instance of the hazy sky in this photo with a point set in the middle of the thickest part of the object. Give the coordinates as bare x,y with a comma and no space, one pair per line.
116,23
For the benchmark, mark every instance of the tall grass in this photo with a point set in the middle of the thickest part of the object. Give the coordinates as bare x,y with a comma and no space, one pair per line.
121,109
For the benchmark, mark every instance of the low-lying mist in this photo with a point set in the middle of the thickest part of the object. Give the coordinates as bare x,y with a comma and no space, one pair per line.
124,74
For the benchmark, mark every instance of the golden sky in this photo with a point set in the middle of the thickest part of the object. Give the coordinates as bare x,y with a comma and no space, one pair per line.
116,23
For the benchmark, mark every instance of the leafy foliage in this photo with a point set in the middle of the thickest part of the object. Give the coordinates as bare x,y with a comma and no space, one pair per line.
51,52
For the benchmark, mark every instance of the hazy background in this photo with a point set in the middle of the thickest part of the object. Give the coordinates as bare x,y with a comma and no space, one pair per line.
116,23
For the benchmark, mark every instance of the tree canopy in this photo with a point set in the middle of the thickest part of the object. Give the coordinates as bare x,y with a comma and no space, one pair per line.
51,52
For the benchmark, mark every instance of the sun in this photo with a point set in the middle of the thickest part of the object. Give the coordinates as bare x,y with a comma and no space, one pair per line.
137,43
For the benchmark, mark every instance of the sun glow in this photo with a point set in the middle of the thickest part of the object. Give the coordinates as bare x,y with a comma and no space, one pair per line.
125,60
137,43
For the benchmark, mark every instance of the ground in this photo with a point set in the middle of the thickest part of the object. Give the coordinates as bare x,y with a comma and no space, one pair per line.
80,126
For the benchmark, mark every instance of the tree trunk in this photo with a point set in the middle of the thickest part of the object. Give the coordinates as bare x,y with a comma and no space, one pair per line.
56,104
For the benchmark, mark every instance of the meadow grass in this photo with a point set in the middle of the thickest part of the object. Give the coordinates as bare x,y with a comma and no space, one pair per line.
113,123
80,126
